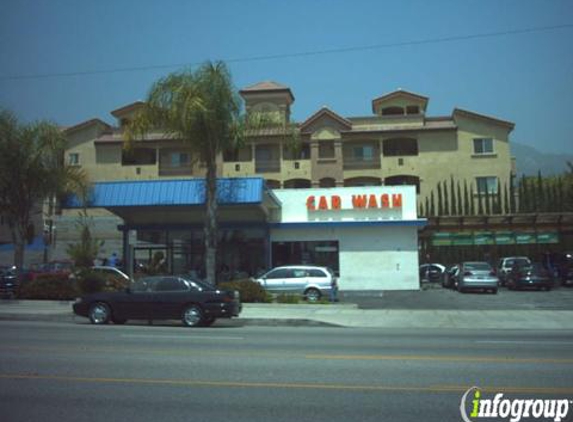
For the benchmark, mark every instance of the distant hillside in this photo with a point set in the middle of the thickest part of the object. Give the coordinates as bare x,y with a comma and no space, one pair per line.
529,161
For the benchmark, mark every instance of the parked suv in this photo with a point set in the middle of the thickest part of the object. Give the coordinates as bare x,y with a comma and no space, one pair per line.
311,282
505,265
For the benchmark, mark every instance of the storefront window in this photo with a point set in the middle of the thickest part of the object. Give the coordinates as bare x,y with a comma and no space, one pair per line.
321,253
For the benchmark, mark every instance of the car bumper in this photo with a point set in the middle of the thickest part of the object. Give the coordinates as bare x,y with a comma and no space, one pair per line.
223,310
478,285
533,282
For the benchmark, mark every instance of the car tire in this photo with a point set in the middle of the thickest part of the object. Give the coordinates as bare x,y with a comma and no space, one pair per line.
312,295
192,316
99,313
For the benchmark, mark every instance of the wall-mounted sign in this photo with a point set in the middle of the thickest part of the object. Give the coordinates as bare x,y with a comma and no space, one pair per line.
336,202
469,238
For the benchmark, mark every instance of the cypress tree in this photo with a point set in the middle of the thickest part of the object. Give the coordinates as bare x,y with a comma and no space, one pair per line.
446,198
467,208
472,200
440,200
507,206
488,198
541,194
480,204
432,205
560,195
460,199
421,211
498,205
454,207
524,197
428,207
512,203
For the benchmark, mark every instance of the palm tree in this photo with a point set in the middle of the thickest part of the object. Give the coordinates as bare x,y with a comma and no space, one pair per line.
32,169
202,109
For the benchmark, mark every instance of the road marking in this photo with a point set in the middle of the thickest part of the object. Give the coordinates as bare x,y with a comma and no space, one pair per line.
441,358
278,385
179,337
539,342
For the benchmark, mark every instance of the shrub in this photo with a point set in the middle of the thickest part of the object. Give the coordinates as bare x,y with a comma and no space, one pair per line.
286,298
250,290
49,287
92,282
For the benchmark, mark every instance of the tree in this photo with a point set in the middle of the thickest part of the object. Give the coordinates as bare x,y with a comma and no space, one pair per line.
32,169
84,252
202,109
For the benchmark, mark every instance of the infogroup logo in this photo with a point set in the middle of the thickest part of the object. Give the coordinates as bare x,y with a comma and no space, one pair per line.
511,409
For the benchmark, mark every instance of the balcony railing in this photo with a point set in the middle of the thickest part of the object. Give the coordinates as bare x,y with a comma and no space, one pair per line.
267,166
360,164
175,170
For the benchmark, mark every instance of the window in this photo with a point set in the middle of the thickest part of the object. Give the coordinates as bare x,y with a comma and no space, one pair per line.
393,111
179,159
171,284
483,146
364,153
412,110
281,273
74,159
299,152
486,184
400,147
326,149
138,156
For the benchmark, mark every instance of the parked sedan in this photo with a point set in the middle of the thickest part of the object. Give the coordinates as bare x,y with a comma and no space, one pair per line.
311,282
476,276
529,276
161,298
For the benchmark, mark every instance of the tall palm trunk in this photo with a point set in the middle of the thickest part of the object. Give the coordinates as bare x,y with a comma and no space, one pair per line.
211,224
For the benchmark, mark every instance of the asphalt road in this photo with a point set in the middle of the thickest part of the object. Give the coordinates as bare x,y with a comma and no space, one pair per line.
79,372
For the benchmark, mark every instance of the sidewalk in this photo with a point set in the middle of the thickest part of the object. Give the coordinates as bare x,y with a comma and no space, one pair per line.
339,315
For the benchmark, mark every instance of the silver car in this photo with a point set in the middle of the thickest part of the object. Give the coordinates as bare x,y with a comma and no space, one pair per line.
476,276
311,282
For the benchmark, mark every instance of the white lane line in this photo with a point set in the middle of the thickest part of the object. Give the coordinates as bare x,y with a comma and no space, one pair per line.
193,337
540,342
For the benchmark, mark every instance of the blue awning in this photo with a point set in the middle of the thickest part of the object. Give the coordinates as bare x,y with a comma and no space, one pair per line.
178,192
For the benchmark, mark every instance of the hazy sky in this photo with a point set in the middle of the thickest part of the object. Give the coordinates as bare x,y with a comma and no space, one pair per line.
526,78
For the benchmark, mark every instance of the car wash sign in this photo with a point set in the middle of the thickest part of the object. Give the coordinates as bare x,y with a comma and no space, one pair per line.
340,204
354,202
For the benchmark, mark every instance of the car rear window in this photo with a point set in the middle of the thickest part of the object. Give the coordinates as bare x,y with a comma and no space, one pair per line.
316,273
478,266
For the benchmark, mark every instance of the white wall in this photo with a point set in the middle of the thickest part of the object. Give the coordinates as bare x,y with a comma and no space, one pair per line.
370,257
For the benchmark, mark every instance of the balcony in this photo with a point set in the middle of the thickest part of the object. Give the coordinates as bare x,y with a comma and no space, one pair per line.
354,163
185,170
267,166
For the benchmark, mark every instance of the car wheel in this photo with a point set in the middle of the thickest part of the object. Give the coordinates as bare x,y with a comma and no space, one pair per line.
99,313
192,316
312,295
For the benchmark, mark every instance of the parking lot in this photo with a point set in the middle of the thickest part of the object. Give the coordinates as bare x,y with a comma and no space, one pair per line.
434,297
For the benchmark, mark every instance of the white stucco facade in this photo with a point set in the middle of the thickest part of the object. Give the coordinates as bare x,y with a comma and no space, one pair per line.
376,229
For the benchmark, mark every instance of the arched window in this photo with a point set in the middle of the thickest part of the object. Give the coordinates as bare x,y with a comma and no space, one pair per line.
393,111
327,182
363,181
273,184
297,184
402,180
400,147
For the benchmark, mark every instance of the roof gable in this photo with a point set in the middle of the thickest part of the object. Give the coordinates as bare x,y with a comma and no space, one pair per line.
267,87
392,97
127,109
323,116
86,125
473,115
